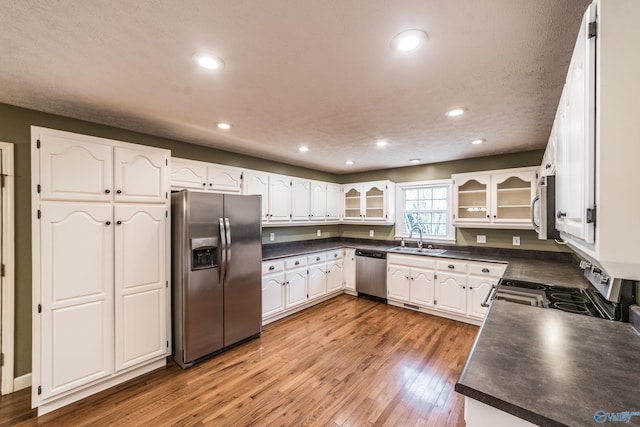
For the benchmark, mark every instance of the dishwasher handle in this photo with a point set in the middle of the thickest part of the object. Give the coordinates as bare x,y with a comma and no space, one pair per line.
371,254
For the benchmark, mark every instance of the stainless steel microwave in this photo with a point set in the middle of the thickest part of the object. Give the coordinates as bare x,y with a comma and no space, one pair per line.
543,209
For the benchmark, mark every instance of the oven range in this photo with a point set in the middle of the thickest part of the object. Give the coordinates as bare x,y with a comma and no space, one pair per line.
573,300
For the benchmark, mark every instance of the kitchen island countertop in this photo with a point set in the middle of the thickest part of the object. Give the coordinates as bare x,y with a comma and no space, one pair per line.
553,368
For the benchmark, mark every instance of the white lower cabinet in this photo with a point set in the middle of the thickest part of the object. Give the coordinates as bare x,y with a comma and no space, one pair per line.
349,271
444,287
293,283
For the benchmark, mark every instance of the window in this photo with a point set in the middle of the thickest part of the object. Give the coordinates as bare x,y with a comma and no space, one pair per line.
424,206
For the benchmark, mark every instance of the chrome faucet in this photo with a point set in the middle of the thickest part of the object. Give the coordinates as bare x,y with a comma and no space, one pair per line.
411,235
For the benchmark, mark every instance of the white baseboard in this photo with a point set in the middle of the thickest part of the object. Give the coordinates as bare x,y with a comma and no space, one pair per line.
22,382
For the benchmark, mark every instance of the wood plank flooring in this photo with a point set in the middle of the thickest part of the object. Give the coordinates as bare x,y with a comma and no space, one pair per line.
345,362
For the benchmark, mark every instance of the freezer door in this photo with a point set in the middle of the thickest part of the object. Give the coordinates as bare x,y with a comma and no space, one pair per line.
200,295
242,288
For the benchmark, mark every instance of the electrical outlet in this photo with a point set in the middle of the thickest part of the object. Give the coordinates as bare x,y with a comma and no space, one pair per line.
272,236
318,233
481,238
370,233
516,240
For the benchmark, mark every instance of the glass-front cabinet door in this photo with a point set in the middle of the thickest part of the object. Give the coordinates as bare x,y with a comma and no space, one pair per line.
374,202
472,199
352,202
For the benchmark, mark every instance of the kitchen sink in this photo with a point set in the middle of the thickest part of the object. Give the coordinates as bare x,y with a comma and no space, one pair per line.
418,251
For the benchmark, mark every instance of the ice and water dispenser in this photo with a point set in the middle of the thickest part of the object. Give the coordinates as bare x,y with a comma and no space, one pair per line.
204,253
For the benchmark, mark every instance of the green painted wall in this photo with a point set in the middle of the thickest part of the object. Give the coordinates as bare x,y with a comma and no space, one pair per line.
15,126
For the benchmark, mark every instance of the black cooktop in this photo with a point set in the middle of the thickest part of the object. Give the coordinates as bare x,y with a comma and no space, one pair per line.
573,300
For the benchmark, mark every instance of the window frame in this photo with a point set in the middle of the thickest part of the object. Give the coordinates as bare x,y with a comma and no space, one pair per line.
400,217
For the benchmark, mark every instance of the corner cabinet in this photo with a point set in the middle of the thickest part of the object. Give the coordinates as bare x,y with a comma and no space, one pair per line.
101,300
494,199
369,202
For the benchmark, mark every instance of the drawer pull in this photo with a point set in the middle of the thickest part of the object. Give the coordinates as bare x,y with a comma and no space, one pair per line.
318,258
451,266
272,267
297,263
335,255
485,270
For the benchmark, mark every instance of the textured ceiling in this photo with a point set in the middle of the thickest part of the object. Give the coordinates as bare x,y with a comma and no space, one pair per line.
315,72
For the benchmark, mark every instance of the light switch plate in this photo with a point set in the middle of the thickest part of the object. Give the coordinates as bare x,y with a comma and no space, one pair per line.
370,233
318,233
516,240
481,238
272,236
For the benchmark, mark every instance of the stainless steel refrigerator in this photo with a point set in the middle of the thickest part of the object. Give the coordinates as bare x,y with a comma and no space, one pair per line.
217,255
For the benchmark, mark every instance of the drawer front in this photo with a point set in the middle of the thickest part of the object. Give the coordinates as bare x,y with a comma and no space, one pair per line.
272,266
316,258
488,269
295,262
452,266
412,260
334,255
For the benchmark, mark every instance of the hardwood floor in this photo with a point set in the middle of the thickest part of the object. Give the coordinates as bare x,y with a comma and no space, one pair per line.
345,362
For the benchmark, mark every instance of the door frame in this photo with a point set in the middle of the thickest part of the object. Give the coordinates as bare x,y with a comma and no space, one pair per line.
8,280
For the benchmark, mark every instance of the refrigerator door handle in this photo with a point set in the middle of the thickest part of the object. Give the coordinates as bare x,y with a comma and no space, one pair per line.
223,250
227,228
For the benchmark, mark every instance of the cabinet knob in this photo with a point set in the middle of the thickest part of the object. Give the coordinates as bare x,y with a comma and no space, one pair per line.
108,223
271,267
317,258
495,216
485,270
119,191
561,214
297,263
210,185
451,266
488,216
118,222
204,184
464,287
107,191
335,255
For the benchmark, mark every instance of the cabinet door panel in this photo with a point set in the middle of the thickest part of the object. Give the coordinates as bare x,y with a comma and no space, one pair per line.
512,196
317,280
479,287
188,174
350,269
422,287
74,169
334,202
224,179
353,202
279,199
140,283
398,282
76,295
451,293
272,294
255,183
471,198
300,194
375,201
335,273
140,175
296,293
318,201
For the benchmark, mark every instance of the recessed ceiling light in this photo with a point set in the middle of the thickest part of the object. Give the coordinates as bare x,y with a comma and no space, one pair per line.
303,149
478,141
455,112
415,160
381,143
224,126
409,40
208,61
349,162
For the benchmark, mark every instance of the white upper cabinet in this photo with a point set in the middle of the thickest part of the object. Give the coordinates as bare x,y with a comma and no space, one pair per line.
224,179
369,202
497,199
576,141
257,183
85,168
140,175
300,199
279,198
74,167
318,201
335,202
188,174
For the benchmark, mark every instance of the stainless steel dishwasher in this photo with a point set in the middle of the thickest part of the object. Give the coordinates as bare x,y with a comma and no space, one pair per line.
371,273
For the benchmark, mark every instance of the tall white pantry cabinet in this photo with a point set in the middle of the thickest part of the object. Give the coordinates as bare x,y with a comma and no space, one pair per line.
101,296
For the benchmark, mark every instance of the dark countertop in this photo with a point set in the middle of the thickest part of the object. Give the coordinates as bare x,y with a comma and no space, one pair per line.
550,268
553,368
